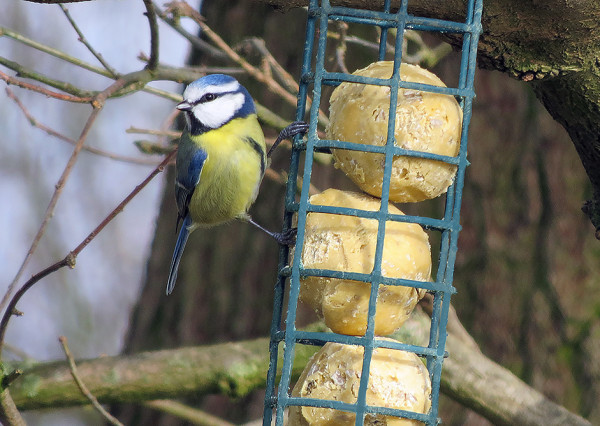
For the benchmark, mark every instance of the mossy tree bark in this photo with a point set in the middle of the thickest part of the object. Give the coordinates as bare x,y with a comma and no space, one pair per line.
235,369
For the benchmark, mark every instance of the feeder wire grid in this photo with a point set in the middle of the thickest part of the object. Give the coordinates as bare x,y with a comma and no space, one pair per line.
319,15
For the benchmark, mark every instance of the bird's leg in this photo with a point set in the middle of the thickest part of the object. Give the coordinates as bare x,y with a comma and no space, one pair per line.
286,238
296,128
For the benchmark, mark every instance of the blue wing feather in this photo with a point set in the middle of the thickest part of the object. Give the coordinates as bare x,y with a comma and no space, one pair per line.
194,168
184,233
190,161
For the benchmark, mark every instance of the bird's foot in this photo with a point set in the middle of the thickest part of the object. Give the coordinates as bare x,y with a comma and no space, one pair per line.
293,129
286,238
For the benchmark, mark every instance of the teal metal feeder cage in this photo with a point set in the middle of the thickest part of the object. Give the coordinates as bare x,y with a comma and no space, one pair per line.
320,14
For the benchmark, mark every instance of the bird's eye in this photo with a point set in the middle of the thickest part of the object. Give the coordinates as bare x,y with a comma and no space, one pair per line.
208,97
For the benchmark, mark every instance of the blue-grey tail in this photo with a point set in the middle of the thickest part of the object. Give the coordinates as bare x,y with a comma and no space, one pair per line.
184,233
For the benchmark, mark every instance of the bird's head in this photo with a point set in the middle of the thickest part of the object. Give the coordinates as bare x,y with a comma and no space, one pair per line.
213,100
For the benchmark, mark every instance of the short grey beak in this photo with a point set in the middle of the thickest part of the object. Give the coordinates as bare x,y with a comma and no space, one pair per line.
184,106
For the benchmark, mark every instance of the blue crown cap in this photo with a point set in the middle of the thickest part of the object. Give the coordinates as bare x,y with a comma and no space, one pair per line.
223,80
213,80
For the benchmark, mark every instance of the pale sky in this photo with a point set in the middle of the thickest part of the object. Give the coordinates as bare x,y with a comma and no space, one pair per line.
91,304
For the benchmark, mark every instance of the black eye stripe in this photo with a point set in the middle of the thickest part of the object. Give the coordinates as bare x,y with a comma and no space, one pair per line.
207,97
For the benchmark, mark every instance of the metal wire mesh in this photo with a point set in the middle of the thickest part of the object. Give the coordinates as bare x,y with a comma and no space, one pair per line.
314,74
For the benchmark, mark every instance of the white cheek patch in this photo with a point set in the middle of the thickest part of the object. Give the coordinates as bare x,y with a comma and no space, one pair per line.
215,113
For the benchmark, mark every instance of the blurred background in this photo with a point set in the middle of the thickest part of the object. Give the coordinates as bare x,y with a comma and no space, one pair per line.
91,304
527,261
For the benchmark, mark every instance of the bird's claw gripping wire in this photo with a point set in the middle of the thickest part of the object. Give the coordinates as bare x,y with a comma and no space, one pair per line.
293,129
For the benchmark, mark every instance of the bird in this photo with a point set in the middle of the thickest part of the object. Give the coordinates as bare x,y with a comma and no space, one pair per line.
221,159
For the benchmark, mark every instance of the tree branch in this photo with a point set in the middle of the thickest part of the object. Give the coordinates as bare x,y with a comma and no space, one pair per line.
181,8
233,369
52,51
154,40
236,369
9,414
161,72
61,96
24,72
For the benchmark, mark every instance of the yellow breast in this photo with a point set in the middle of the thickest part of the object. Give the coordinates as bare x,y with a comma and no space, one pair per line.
231,173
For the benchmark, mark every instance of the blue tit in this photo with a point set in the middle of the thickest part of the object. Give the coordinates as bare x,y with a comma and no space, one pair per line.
221,159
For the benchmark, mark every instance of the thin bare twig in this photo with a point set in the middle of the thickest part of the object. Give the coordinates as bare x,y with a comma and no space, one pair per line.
161,73
195,41
122,205
56,1
359,41
287,79
71,258
83,40
168,123
200,70
35,123
260,76
136,81
98,104
61,96
53,52
83,388
18,352
164,133
340,49
82,64
154,39
24,72
181,8
185,412
49,212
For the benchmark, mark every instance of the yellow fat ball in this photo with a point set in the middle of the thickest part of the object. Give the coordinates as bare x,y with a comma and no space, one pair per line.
424,121
347,243
397,379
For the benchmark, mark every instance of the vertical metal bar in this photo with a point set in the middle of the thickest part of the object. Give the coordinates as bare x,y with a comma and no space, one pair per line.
290,334
454,201
270,397
361,402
